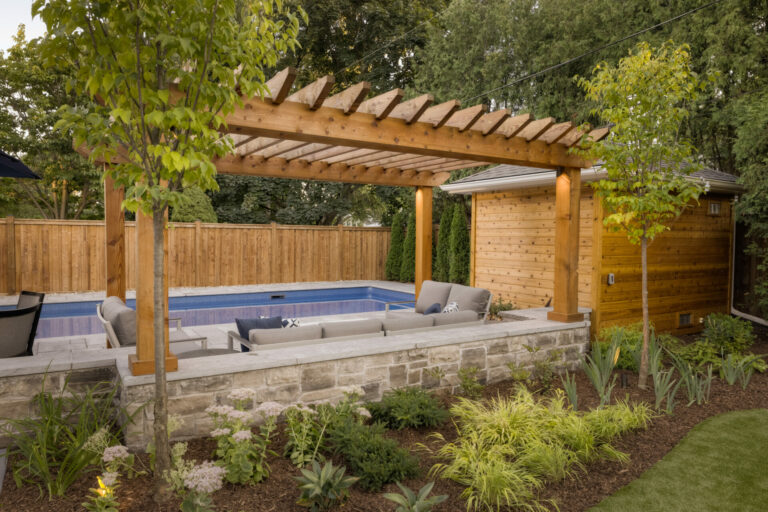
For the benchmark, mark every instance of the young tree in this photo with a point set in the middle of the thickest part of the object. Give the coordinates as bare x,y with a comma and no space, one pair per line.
395,255
647,161
408,260
459,248
442,252
162,76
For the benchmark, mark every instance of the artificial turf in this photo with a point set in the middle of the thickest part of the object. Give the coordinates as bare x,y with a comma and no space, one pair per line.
720,466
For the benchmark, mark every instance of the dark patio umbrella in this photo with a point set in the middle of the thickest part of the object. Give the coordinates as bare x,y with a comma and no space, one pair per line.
11,167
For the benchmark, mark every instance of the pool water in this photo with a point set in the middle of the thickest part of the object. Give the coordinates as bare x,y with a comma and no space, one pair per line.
79,318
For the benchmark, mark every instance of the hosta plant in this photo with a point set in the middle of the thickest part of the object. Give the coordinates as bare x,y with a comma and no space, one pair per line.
322,488
410,501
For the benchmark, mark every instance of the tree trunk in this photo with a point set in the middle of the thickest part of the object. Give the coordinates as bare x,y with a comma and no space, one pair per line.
643,373
162,449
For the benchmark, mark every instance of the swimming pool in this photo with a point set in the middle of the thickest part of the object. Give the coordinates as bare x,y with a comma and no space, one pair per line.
79,318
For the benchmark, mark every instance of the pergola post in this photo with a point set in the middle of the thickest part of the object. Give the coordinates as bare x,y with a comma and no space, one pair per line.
423,236
114,228
567,202
143,362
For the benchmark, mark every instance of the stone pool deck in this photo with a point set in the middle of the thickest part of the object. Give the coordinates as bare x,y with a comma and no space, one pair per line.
307,374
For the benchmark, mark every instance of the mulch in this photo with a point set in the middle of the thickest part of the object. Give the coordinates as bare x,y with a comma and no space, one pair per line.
279,492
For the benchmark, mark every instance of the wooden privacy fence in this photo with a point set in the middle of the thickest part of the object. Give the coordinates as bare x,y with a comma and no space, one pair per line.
69,256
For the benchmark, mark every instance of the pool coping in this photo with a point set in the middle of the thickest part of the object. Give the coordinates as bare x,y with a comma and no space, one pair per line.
55,298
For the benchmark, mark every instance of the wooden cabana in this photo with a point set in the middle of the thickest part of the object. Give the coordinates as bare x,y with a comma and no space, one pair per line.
347,137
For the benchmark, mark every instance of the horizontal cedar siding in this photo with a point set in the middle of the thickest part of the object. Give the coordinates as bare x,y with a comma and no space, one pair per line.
688,270
515,242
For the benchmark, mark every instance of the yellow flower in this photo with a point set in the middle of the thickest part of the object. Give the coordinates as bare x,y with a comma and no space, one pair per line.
616,355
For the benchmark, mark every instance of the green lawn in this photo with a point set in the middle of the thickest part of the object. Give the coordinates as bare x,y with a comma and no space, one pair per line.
720,466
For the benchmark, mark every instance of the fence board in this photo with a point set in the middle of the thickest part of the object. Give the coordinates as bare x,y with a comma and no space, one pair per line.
69,256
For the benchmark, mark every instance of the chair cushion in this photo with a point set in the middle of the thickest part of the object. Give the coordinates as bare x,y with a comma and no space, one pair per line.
245,325
351,328
431,292
413,322
122,318
468,298
280,335
434,308
455,318
451,307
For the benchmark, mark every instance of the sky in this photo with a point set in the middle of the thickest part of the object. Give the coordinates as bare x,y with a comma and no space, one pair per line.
15,12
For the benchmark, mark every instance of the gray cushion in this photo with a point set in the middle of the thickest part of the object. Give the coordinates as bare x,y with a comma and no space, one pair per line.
412,322
432,292
455,318
468,298
271,336
122,318
351,328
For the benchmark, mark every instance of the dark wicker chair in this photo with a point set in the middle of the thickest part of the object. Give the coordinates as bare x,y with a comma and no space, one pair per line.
18,326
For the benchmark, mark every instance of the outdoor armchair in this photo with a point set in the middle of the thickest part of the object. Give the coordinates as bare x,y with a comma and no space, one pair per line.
17,331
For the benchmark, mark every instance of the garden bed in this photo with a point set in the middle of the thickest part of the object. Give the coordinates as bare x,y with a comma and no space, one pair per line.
279,492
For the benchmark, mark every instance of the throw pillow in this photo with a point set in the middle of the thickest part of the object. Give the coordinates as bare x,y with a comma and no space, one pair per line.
246,324
434,308
451,307
291,322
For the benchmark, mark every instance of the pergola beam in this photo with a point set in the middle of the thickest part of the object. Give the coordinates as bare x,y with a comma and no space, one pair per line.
410,111
314,94
256,165
349,99
464,119
280,85
330,126
380,106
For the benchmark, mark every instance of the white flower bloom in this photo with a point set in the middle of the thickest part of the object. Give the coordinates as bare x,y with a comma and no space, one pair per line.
242,435
235,415
205,478
242,394
268,409
220,432
354,390
219,410
109,478
112,453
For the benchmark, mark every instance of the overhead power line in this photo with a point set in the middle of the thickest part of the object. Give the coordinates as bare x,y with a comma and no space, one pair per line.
591,52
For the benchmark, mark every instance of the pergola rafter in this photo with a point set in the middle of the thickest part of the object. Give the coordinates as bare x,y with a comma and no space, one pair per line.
311,134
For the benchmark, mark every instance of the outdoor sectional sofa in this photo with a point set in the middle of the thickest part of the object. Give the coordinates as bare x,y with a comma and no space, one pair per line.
473,305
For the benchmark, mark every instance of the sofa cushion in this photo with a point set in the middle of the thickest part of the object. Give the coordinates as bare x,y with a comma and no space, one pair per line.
468,298
245,325
291,322
122,318
434,308
455,318
431,292
413,322
351,328
280,335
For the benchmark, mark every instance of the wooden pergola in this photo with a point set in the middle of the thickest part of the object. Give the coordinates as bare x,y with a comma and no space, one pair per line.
347,137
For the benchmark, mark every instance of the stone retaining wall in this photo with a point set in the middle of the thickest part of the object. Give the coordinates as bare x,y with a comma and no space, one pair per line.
328,380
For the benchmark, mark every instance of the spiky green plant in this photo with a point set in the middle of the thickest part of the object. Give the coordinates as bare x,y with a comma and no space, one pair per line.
322,488
410,501
598,366
571,390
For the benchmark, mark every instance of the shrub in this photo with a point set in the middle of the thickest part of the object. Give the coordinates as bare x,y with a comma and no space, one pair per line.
370,456
544,369
67,439
408,259
395,254
628,338
728,334
469,383
499,305
510,446
408,407
458,268
196,205
409,501
442,251
322,488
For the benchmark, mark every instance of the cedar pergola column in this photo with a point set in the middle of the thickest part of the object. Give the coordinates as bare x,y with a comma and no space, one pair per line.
114,228
143,362
567,202
423,236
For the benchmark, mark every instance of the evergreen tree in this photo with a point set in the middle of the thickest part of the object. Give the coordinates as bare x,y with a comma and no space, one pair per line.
408,262
195,206
459,248
395,254
442,254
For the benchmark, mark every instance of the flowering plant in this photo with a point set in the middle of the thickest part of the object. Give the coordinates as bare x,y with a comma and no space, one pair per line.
241,452
103,499
304,434
201,481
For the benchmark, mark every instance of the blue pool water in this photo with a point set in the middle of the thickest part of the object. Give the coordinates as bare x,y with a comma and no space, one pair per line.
78,318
